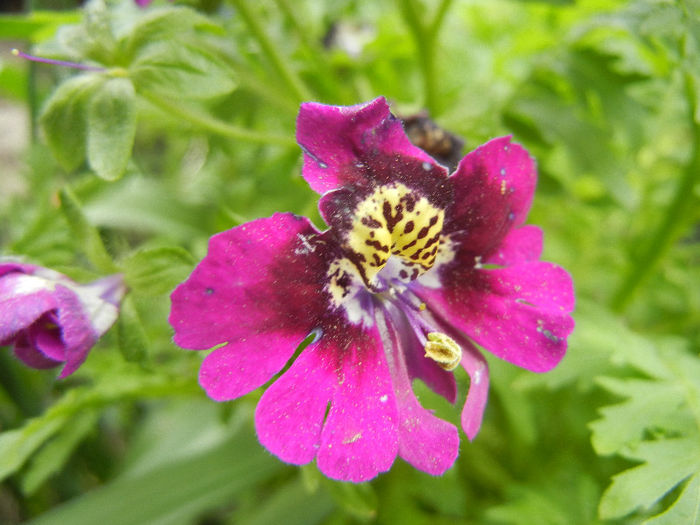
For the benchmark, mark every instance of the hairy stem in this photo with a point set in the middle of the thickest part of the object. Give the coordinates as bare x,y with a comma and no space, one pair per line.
214,125
672,223
279,64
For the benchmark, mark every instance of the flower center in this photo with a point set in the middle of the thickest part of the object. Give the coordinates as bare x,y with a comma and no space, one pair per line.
395,220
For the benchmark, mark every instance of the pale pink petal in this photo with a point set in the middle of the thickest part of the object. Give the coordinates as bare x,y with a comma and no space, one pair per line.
340,142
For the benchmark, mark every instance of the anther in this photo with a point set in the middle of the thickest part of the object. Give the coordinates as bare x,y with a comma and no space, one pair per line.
443,350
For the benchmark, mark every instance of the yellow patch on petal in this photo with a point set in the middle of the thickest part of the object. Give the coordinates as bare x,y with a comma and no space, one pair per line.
395,220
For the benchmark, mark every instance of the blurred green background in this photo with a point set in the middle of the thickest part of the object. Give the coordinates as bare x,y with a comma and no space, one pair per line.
603,93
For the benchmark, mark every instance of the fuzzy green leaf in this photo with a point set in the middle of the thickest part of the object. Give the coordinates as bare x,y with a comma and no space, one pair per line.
133,343
178,68
156,271
111,128
87,235
64,119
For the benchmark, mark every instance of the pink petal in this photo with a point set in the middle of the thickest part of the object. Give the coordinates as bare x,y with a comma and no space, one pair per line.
240,367
258,279
338,140
475,365
76,329
493,190
425,441
520,245
290,414
359,438
519,313
23,299
26,351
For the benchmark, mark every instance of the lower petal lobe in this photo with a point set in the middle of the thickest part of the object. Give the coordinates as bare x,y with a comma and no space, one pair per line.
425,441
258,291
354,439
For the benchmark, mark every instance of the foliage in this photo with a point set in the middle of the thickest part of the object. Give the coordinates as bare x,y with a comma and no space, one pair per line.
180,124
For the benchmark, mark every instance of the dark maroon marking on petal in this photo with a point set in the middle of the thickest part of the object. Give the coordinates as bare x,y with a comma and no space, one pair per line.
377,245
378,261
412,243
414,274
371,223
313,157
435,238
392,220
409,201
403,274
426,255
409,225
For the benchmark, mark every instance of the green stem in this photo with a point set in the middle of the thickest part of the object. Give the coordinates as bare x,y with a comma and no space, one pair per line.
279,63
672,224
425,39
216,126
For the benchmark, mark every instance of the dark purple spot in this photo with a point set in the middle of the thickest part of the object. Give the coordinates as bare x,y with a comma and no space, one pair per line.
377,246
403,274
371,223
409,226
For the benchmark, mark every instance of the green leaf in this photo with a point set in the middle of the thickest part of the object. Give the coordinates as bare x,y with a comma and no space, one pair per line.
175,492
156,271
87,235
64,119
133,343
16,446
179,68
165,24
111,128
51,458
359,500
658,425
292,504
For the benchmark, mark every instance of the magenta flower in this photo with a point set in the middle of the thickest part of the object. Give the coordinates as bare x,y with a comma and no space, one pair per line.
416,267
49,319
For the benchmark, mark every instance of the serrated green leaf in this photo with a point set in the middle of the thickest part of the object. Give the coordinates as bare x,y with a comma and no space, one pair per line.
51,458
686,509
111,127
133,343
667,462
64,119
87,235
178,68
658,425
156,271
